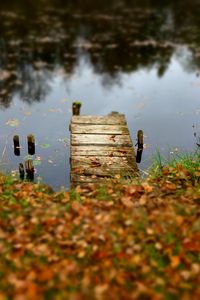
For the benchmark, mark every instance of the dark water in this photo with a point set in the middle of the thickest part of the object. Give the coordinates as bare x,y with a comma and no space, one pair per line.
141,58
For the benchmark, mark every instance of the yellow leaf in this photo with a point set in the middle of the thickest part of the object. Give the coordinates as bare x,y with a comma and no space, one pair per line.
175,261
81,254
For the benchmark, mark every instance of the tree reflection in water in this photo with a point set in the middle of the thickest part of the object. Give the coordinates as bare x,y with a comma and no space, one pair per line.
40,39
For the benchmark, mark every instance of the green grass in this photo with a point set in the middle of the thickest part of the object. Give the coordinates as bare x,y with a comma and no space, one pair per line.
189,161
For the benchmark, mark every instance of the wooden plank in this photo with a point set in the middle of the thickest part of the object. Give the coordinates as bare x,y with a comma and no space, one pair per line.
103,120
88,178
99,129
101,150
103,139
102,162
107,172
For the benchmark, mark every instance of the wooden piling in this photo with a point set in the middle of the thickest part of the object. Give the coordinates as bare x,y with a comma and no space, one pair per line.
21,171
139,146
76,107
29,169
16,145
31,144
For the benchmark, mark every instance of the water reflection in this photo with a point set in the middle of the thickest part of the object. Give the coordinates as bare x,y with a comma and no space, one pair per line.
141,58
122,37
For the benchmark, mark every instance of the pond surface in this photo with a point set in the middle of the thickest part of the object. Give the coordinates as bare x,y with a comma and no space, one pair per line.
141,58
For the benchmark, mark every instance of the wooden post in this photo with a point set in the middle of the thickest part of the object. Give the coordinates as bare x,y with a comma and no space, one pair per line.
21,171
16,145
31,144
140,146
76,107
29,169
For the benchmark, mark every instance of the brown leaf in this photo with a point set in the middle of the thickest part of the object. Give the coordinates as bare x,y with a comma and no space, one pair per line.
143,200
112,138
168,186
126,201
148,188
45,275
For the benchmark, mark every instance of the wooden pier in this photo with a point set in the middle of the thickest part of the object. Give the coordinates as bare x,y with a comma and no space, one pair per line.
100,149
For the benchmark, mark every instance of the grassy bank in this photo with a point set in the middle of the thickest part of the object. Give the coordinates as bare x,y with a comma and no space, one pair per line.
118,241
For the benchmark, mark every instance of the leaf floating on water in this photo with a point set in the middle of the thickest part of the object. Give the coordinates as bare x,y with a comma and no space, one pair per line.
27,157
45,146
140,105
64,141
27,113
50,161
64,100
38,157
179,113
37,162
13,122
14,173
55,110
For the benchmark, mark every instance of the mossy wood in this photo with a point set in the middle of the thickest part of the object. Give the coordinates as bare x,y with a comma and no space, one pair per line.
76,107
100,149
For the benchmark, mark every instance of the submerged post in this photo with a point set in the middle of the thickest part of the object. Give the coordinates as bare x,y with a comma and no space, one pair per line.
140,146
21,171
31,144
29,170
16,145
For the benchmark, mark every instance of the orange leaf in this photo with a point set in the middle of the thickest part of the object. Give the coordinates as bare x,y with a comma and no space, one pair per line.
126,201
175,261
45,275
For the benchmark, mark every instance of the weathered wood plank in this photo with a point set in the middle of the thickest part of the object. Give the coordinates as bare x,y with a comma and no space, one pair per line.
102,162
98,129
103,120
101,150
88,178
107,172
103,139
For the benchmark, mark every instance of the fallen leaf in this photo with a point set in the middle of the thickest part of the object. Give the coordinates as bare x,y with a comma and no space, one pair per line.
126,201
13,122
44,146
